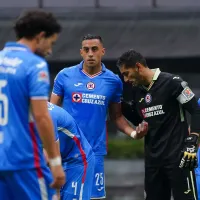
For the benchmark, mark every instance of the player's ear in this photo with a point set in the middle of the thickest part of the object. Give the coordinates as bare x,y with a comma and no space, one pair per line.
81,52
138,66
103,51
40,36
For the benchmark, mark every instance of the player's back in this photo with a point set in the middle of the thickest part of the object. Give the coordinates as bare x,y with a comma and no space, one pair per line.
74,147
19,147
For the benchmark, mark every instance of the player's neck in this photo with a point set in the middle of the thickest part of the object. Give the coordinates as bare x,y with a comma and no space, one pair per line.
149,76
92,70
27,43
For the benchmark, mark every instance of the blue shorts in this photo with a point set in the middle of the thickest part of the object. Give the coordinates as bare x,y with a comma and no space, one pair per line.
98,187
198,186
79,181
26,184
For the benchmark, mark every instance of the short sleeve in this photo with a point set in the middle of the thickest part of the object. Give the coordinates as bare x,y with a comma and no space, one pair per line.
38,80
58,84
116,98
180,90
54,120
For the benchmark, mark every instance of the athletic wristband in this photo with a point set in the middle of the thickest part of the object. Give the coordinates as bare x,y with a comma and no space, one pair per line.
133,134
55,161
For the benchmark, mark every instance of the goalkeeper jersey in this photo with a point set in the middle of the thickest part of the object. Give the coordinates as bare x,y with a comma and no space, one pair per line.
161,104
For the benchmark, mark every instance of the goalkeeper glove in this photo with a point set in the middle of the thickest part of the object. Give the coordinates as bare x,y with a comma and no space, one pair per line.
189,152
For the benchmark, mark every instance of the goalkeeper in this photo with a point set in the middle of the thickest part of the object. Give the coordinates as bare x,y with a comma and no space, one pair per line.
162,99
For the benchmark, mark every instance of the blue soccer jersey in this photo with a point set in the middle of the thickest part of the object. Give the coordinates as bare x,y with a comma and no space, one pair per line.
74,147
23,76
87,99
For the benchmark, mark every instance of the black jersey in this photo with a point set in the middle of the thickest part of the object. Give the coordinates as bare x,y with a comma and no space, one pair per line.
162,106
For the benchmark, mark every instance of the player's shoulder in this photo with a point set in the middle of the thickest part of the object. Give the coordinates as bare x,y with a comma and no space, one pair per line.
34,62
173,80
169,76
57,110
54,108
38,61
69,71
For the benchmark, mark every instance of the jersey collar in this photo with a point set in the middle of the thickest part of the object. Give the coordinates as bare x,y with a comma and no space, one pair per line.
92,76
14,46
155,77
156,74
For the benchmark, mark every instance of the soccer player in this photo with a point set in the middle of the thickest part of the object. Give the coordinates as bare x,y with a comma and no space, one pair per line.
24,89
162,99
86,91
77,155
197,170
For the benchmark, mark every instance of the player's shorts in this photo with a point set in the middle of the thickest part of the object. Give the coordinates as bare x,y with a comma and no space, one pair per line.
98,186
198,185
26,184
161,182
79,181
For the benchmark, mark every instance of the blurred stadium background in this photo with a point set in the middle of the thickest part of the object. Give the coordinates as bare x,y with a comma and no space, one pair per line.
166,32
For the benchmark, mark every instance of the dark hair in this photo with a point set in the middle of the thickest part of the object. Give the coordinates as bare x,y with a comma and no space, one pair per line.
92,37
130,58
31,23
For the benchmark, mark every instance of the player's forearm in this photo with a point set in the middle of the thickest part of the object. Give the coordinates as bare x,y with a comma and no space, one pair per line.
123,125
45,128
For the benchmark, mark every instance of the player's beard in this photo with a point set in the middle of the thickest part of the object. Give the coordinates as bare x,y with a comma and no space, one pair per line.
39,53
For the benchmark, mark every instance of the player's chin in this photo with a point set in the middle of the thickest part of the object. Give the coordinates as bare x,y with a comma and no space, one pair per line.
91,63
41,54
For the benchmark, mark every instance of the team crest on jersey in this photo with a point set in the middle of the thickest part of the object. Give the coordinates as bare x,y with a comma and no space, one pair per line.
90,86
76,97
148,98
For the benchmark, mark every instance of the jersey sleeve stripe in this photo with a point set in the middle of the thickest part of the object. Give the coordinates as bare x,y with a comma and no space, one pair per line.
56,94
39,97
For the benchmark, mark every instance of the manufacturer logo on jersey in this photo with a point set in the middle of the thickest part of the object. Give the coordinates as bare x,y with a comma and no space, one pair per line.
90,86
148,98
78,84
77,97
41,65
140,101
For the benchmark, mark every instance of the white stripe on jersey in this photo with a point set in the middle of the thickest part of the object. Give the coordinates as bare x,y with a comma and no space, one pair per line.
39,97
67,132
43,189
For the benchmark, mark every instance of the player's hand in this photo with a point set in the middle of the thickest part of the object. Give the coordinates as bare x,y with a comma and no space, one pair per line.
141,130
189,153
58,176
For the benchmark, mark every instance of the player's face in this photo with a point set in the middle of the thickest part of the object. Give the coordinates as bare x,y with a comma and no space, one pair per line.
45,44
131,75
92,52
